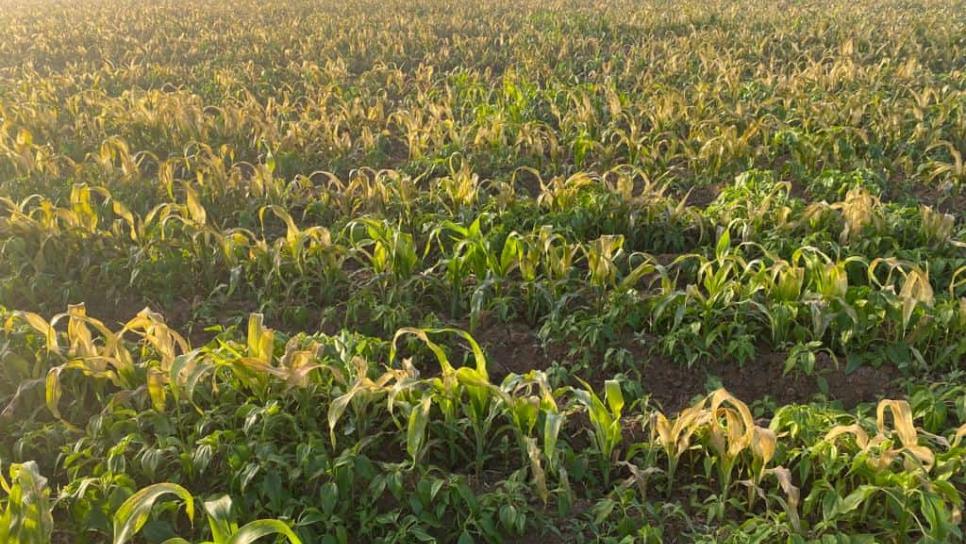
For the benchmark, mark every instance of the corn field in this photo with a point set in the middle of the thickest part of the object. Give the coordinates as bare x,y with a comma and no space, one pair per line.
313,271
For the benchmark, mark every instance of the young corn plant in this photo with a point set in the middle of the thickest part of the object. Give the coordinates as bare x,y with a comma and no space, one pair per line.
733,432
25,508
783,285
364,393
132,515
913,478
675,437
916,290
465,388
605,421
527,399
107,359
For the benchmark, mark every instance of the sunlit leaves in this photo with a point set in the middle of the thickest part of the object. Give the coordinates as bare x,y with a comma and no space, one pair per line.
133,514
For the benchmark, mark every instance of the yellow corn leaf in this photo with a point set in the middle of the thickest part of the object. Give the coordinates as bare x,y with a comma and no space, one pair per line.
53,391
861,437
78,335
904,427
24,138
902,420
960,433
915,290
740,423
784,477
261,340
539,477
41,325
80,202
128,217
195,209
156,390
763,444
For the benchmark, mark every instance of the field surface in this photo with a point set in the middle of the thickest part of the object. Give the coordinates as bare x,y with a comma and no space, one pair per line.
512,271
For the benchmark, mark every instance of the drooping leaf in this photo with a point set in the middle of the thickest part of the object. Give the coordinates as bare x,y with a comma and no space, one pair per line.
131,516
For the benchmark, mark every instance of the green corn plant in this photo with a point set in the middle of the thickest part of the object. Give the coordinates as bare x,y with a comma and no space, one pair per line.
393,252
453,383
131,516
136,510
783,282
470,255
787,281
224,530
416,427
526,399
605,420
829,278
25,509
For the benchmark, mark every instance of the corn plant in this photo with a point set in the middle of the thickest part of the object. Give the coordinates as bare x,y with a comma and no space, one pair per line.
605,420
25,508
134,513
454,382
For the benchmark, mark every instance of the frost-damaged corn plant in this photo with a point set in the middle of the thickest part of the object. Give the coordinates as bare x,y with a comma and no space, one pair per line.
105,356
912,473
373,171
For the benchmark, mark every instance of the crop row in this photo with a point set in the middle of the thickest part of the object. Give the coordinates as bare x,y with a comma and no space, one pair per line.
343,437
740,285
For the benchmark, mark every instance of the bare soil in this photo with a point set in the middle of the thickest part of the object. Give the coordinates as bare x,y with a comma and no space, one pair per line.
673,385
511,348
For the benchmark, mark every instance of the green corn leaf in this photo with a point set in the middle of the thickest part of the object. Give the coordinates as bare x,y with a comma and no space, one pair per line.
615,398
131,516
416,429
551,432
219,518
255,530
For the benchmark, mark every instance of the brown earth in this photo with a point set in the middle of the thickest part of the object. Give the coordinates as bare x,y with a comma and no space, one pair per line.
511,348
672,385
702,195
